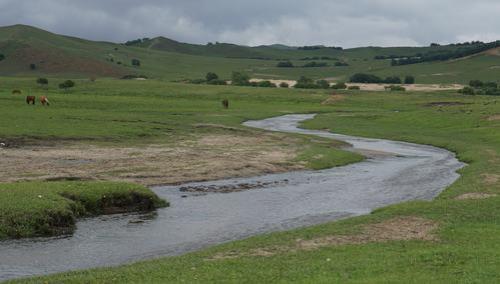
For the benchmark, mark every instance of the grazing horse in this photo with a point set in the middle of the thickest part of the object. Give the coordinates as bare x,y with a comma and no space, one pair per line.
44,100
30,99
16,92
225,103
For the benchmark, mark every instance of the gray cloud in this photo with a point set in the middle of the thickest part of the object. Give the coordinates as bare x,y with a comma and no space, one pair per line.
330,22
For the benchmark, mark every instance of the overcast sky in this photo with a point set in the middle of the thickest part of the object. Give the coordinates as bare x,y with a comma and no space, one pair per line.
294,22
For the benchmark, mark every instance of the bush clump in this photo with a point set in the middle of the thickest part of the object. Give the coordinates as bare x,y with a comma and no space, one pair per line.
340,86
478,87
285,64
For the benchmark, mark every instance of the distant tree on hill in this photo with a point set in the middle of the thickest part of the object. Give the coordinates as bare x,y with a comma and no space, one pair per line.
266,84
409,80
341,64
2,57
305,83
240,79
435,44
476,83
217,82
467,91
284,85
211,76
68,84
393,80
315,64
136,62
365,78
340,86
42,81
285,64
32,66
323,84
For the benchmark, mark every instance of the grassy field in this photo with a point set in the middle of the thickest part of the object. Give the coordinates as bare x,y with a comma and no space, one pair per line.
120,114
463,247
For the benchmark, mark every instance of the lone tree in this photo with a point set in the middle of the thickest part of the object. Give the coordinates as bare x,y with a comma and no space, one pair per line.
32,66
2,57
68,84
211,76
136,62
42,81
240,79
409,80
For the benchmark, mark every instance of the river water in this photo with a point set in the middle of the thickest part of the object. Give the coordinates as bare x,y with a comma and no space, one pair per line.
276,202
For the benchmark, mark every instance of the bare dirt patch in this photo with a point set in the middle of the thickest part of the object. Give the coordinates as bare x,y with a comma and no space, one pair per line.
409,87
396,229
204,158
494,117
490,179
475,196
333,99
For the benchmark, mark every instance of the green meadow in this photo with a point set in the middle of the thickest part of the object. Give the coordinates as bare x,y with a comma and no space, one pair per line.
465,247
121,113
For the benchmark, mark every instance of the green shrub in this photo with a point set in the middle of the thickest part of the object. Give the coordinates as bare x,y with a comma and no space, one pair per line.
284,85
409,80
42,81
217,82
240,79
341,64
365,78
467,91
340,86
197,81
67,85
323,84
305,83
354,88
285,64
315,64
266,84
476,83
136,62
211,76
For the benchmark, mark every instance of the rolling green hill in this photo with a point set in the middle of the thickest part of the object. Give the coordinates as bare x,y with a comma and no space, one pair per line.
34,52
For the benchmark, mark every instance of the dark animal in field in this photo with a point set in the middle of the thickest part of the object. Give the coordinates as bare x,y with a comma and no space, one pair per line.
225,104
44,100
30,99
16,92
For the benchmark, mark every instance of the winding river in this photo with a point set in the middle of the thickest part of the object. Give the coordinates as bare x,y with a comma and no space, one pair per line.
397,172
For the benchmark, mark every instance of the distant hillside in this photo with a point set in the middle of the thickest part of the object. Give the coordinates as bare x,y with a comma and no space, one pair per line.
29,51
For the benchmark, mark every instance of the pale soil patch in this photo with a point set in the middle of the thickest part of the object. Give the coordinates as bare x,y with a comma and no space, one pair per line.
475,196
409,87
396,229
381,87
490,179
494,117
205,158
333,99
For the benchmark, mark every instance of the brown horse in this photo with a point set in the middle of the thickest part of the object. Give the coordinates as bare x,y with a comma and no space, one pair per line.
30,99
44,101
225,103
